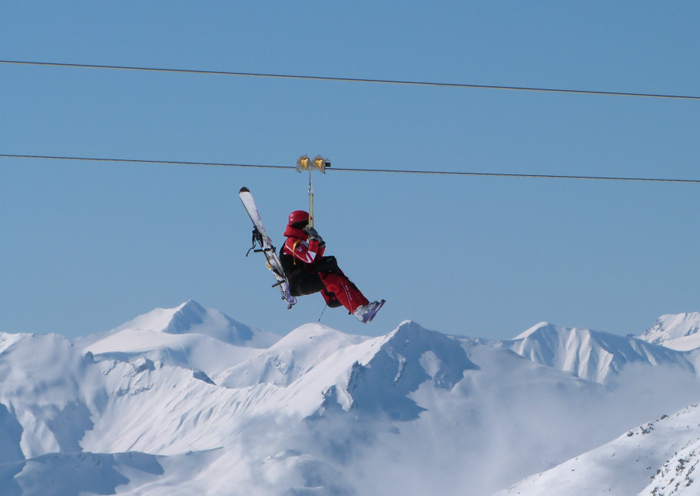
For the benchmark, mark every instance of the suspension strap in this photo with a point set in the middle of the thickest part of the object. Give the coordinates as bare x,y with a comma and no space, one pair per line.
318,163
312,215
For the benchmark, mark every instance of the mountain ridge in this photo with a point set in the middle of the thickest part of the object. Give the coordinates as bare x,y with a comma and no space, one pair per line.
593,355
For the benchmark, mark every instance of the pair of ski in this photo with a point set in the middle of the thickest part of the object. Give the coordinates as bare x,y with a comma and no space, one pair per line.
264,244
261,239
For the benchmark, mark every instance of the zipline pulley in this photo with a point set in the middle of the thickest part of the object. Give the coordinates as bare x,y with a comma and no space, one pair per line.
318,163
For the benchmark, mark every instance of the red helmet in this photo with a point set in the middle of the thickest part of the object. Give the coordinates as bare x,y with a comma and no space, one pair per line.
298,216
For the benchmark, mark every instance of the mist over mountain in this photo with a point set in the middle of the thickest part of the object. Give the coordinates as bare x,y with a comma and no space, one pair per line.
189,401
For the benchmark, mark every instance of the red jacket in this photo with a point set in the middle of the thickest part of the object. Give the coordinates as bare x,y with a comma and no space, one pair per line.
300,247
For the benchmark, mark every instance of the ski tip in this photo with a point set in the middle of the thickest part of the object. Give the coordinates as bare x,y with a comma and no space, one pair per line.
243,190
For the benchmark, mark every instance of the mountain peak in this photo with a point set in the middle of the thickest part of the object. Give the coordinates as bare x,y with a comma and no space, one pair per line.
676,331
176,320
407,357
186,316
190,318
533,329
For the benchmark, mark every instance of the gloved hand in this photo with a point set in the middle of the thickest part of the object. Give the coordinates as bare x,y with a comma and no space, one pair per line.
313,234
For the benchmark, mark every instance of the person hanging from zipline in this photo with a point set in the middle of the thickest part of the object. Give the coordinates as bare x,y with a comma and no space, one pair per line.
309,271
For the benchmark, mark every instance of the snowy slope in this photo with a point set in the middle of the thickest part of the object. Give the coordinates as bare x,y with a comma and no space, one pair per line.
679,332
187,336
678,475
664,450
288,359
592,355
48,394
195,351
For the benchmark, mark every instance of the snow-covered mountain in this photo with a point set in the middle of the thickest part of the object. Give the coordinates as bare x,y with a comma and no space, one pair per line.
190,318
678,332
665,452
178,401
188,336
592,355
354,373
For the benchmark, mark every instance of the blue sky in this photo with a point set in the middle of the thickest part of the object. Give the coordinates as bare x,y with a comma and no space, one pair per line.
87,246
